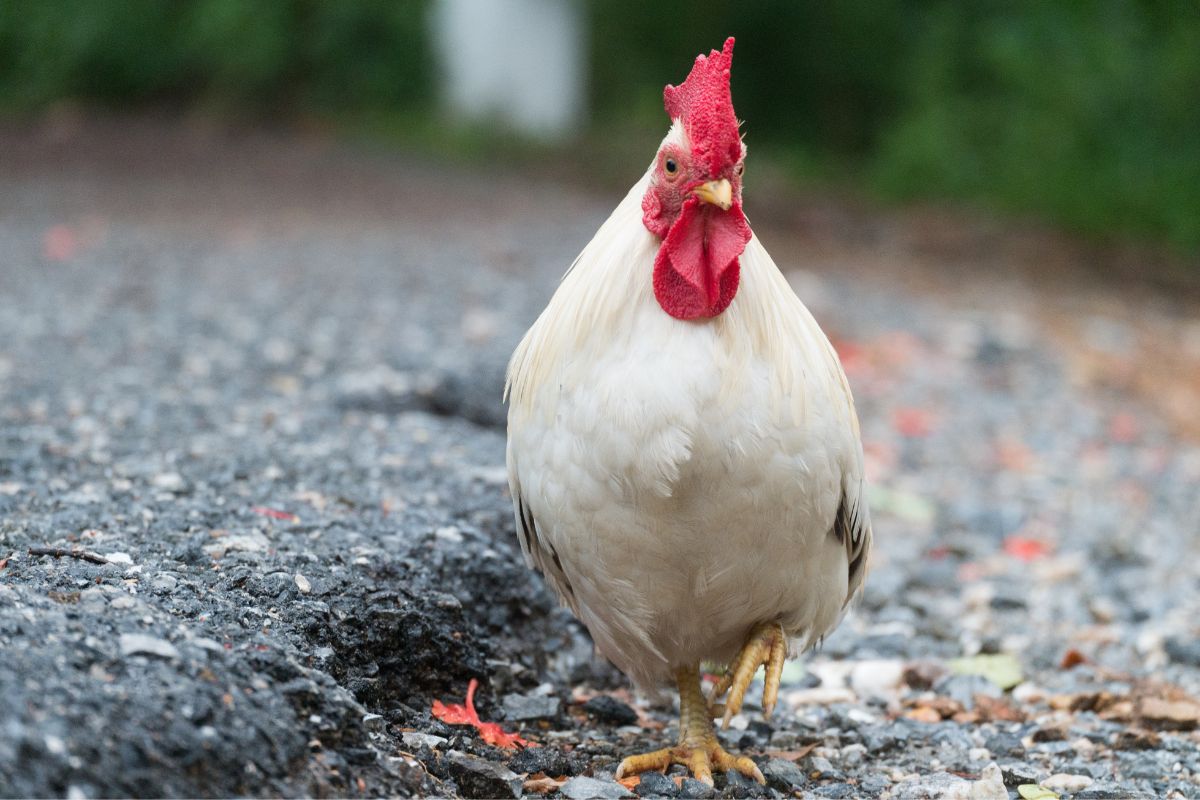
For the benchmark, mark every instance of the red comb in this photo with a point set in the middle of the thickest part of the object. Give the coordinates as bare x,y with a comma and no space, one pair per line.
704,105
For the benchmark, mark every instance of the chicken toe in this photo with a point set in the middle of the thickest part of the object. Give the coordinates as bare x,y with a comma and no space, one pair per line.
697,748
766,647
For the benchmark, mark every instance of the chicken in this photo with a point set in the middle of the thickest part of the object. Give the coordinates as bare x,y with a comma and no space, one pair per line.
683,451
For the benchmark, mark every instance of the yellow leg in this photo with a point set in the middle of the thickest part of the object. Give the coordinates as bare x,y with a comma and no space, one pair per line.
765,647
698,748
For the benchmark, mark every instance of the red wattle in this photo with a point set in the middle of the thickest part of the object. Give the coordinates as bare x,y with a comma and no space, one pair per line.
696,270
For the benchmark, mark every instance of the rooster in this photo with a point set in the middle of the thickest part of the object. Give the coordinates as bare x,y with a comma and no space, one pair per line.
683,451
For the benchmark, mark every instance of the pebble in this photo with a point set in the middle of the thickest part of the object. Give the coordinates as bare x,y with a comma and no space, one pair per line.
521,707
302,583
607,708
655,784
164,584
692,789
248,542
480,778
1062,782
132,644
944,786
784,775
584,788
963,688
877,678
168,482
417,740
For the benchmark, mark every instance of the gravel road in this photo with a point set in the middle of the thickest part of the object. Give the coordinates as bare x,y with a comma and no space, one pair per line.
254,521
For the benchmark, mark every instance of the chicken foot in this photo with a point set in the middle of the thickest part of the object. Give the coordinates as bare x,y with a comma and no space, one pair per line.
697,748
766,646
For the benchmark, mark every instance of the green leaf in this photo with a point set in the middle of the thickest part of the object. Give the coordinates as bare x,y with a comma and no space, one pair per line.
1031,791
1002,669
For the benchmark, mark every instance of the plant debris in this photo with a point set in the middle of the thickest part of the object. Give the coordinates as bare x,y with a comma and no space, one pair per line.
465,714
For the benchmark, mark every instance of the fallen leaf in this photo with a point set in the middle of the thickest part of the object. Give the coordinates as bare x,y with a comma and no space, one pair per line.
996,709
923,714
542,784
793,755
490,732
275,513
3,563
1026,549
1031,791
1072,658
1001,669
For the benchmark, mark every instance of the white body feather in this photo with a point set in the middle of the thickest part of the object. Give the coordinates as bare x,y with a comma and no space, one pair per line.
678,482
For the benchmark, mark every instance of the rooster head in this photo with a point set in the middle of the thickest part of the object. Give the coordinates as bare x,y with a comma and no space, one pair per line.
694,202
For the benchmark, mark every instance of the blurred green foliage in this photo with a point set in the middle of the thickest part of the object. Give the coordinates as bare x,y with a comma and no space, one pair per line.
268,55
1086,112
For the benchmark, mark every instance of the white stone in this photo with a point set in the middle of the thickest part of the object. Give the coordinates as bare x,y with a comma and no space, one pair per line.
877,678
1066,783
132,644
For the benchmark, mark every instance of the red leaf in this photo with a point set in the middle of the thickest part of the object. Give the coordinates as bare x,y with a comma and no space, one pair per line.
275,514
490,732
1072,658
1026,549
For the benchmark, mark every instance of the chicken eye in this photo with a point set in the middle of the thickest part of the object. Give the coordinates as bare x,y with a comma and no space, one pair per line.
670,166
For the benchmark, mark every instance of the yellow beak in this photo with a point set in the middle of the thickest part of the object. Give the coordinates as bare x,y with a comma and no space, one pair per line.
719,193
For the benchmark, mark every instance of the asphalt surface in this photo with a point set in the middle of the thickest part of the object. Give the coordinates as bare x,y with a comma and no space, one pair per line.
250,427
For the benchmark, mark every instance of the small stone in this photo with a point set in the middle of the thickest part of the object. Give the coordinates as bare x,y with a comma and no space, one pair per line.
963,688
584,788
693,789
877,678
607,708
819,767
520,707
944,786
249,542
923,675
417,740
1069,784
550,760
118,557
1016,774
374,722
1005,744
979,754
1110,791
479,778
873,785
133,644
784,775
164,584
1183,650
836,791
168,482
302,583
655,784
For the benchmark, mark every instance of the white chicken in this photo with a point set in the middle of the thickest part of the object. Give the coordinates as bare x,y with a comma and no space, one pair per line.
683,450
